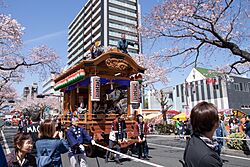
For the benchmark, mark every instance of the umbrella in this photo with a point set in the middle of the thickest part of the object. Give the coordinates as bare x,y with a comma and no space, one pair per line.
172,112
182,116
151,116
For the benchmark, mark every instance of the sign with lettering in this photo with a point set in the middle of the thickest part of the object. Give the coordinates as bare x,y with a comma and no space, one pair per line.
134,92
95,88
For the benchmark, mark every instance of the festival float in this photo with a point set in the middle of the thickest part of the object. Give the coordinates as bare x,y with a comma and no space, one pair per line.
105,85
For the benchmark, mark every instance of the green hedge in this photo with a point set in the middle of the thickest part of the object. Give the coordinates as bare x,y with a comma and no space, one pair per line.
165,129
235,143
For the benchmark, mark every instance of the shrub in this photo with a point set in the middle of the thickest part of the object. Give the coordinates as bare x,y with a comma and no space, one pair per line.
235,143
164,129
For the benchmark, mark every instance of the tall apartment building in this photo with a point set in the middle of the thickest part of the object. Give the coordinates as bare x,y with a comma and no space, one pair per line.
30,91
103,20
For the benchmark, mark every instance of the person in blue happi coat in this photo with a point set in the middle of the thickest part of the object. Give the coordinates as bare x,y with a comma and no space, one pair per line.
123,43
3,162
76,136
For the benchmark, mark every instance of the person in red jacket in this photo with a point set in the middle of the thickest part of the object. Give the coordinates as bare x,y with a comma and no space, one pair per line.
141,131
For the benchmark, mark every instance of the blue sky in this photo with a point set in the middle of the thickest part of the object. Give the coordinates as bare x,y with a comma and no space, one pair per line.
46,22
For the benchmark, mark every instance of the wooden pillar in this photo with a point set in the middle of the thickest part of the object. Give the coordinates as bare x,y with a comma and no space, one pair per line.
89,104
71,101
128,101
74,100
66,101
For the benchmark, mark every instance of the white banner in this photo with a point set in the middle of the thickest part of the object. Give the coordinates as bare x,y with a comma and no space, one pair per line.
134,92
95,88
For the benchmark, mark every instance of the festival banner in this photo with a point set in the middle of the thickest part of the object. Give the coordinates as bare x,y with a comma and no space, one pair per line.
134,92
95,88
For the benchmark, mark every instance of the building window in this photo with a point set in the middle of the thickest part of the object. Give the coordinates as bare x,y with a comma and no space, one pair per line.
246,88
202,90
237,87
245,107
241,86
177,90
216,87
197,91
182,92
208,91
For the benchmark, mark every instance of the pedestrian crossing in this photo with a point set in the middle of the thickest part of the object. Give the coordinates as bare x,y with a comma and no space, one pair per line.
10,127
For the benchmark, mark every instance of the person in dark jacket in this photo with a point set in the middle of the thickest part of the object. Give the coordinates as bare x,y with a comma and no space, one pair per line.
201,148
221,132
50,144
33,129
247,131
3,162
76,137
141,131
21,156
123,43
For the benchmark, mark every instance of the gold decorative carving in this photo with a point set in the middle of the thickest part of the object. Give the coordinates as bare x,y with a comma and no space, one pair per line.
117,64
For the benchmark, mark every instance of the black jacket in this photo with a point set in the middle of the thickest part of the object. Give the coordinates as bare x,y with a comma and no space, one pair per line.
33,129
198,154
30,160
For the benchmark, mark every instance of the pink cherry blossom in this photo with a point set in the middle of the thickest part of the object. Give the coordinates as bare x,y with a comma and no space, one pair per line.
14,64
194,27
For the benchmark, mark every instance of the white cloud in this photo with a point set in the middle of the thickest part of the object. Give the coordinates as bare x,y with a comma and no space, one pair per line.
45,37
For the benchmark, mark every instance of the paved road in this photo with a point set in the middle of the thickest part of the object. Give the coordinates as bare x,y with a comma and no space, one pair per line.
9,133
163,151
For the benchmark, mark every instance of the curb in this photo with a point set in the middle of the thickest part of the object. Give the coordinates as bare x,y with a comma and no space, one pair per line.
228,151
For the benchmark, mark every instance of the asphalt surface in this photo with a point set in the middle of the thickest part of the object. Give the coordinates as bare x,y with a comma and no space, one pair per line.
163,151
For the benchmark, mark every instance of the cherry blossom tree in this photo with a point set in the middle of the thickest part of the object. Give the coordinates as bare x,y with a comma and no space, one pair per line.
7,94
29,105
13,63
155,72
195,29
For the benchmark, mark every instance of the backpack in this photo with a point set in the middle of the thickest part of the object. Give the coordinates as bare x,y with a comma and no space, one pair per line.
45,160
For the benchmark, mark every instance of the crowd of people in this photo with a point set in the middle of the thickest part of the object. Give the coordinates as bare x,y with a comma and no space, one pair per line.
118,135
42,142
183,128
209,135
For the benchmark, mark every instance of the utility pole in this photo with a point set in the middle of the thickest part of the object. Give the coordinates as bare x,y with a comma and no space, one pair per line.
186,94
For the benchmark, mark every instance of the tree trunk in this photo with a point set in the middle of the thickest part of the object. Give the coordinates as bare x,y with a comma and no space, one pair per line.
164,115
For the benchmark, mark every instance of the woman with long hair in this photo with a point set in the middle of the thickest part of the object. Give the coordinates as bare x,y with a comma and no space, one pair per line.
21,156
51,145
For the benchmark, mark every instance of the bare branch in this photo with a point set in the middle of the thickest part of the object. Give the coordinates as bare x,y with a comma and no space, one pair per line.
233,66
223,11
232,23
